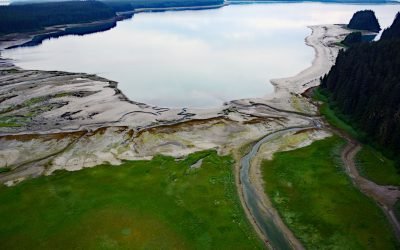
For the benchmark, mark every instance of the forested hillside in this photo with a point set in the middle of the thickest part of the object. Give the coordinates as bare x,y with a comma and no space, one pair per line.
364,20
364,85
29,17
352,38
393,32
24,17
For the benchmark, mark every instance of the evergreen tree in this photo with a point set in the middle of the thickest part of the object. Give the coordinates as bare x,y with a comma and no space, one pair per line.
364,20
364,84
30,17
352,38
393,32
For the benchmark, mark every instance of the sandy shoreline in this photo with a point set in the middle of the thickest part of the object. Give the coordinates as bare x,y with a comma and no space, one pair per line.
101,94
287,93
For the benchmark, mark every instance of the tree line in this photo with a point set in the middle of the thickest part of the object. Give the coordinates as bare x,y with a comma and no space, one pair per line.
393,32
26,17
139,4
31,17
364,85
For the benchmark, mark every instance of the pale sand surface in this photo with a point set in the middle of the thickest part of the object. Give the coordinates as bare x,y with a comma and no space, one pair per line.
90,122
104,105
82,102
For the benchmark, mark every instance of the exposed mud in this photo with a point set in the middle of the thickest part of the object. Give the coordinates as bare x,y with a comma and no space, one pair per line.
57,120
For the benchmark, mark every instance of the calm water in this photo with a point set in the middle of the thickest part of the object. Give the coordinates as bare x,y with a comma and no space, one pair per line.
197,58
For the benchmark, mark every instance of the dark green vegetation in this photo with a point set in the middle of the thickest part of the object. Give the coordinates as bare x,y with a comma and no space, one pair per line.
31,17
333,116
393,32
364,20
377,167
318,202
78,30
355,38
157,204
119,6
364,85
36,15
352,38
382,168
362,97
5,170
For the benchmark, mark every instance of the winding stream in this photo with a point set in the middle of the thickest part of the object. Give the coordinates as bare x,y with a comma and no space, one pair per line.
263,216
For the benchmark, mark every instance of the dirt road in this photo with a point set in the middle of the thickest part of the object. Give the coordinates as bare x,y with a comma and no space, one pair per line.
384,196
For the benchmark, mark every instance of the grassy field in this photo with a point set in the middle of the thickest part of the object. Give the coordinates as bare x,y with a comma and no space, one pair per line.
332,117
157,204
376,167
318,202
372,164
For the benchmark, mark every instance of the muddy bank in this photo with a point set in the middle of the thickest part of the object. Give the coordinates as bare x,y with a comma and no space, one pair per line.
35,101
58,120
264,216
33,155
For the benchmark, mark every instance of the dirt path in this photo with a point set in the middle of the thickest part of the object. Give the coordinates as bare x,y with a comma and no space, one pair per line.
385,196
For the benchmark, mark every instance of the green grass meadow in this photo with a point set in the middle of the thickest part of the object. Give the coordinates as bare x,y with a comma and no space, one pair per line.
318,202
373,161
331,115
157,204
376,167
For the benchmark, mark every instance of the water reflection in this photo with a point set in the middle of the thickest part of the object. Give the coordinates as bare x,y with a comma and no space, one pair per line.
197,58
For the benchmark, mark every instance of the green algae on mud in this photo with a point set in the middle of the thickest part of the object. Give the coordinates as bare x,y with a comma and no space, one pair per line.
318,202
157,204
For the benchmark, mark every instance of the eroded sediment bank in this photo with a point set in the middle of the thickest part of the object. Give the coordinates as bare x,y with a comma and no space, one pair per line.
94,123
